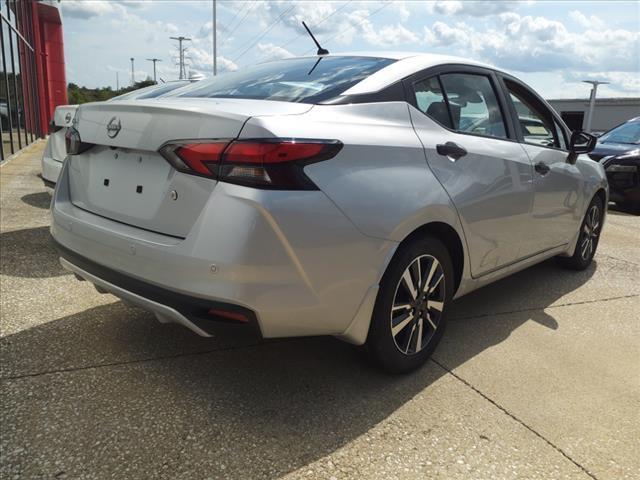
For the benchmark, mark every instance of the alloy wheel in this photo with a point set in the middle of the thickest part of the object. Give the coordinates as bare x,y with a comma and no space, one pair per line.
590,232
418,304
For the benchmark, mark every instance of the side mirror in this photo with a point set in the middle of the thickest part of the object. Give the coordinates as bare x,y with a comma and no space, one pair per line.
582,142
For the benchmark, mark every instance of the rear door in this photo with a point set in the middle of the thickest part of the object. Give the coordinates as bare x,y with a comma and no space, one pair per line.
471,147
555,215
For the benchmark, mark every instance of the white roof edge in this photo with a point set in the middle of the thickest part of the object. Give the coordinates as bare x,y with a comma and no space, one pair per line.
407,63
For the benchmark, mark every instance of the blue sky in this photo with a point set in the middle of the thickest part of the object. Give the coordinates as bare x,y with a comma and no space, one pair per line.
552,45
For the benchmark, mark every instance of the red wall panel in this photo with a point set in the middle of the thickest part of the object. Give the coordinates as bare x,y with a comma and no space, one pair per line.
49,50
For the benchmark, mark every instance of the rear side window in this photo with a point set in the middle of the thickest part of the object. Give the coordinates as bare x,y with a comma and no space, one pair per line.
473,104
536,121
305,80
430,101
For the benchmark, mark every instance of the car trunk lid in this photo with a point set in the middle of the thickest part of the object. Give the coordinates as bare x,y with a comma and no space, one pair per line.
124,178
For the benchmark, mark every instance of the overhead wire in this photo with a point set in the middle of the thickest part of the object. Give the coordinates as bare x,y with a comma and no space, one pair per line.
317,24
251,7
267,30
327,41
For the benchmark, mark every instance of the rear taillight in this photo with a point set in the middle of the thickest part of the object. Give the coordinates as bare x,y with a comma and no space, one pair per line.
73,143
53,128
261,163
201,158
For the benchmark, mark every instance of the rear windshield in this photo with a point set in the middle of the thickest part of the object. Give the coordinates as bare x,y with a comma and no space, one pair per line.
152,92
304,80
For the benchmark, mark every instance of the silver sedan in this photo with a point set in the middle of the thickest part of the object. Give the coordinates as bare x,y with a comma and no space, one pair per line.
346,195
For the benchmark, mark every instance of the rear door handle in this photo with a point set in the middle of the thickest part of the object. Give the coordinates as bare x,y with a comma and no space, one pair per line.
542,168
451,150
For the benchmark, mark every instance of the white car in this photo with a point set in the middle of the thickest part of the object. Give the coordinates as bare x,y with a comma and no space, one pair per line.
54,152
339,195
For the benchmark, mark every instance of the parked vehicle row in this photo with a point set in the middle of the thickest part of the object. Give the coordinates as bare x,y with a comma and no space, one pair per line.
346,195
619,152
54,152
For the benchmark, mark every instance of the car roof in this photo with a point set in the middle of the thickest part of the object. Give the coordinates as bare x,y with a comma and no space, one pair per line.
406,64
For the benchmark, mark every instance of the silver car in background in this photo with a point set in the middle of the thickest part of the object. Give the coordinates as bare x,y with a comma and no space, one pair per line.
346,195
54,151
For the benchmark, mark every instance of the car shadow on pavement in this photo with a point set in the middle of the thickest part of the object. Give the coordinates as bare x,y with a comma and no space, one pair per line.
38,200
29,253
237,406
488,316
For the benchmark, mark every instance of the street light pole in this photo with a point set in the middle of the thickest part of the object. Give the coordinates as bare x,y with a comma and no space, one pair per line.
154,60
592,101
181,53
215,41
133,76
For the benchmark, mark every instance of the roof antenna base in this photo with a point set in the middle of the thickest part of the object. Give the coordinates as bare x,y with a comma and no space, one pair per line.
321,51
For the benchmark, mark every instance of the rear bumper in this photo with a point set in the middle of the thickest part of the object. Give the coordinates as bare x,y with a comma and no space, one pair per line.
168,306
51,169
292,259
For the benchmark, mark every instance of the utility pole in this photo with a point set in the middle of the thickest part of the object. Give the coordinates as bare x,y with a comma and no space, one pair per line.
154,60
215,41
133,76
181,53
117,83
592,101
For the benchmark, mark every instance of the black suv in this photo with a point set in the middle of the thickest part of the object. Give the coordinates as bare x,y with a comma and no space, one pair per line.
619,152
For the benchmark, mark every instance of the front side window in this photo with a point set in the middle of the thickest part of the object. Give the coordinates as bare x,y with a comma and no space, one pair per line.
473,104
305,80
536,121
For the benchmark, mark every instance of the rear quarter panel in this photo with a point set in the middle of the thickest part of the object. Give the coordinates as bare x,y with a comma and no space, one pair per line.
380,179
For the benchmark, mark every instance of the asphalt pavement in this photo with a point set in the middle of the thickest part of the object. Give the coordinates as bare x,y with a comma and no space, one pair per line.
538,376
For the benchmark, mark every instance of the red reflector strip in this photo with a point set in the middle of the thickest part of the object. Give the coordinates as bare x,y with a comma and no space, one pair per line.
269,153
237,317
201,157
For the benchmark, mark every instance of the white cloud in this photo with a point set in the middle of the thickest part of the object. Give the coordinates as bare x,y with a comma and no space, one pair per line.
85,10
622,82
400,7
388,35
201,61
586,21
269,51
526,43
472,7
442,35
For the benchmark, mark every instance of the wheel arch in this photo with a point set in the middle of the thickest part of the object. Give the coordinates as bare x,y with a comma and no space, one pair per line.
603,196
449,238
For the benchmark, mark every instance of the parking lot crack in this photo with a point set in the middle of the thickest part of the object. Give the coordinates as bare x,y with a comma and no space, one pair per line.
514,417
533,309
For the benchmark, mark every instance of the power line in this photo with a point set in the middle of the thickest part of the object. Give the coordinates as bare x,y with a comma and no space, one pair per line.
235,16
317,24
230,34
325,42
268,29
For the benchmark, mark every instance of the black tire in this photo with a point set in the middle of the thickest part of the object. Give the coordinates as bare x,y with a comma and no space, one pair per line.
382,347
588,238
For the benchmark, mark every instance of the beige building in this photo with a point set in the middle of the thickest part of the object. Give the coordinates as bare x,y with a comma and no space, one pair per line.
608,112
